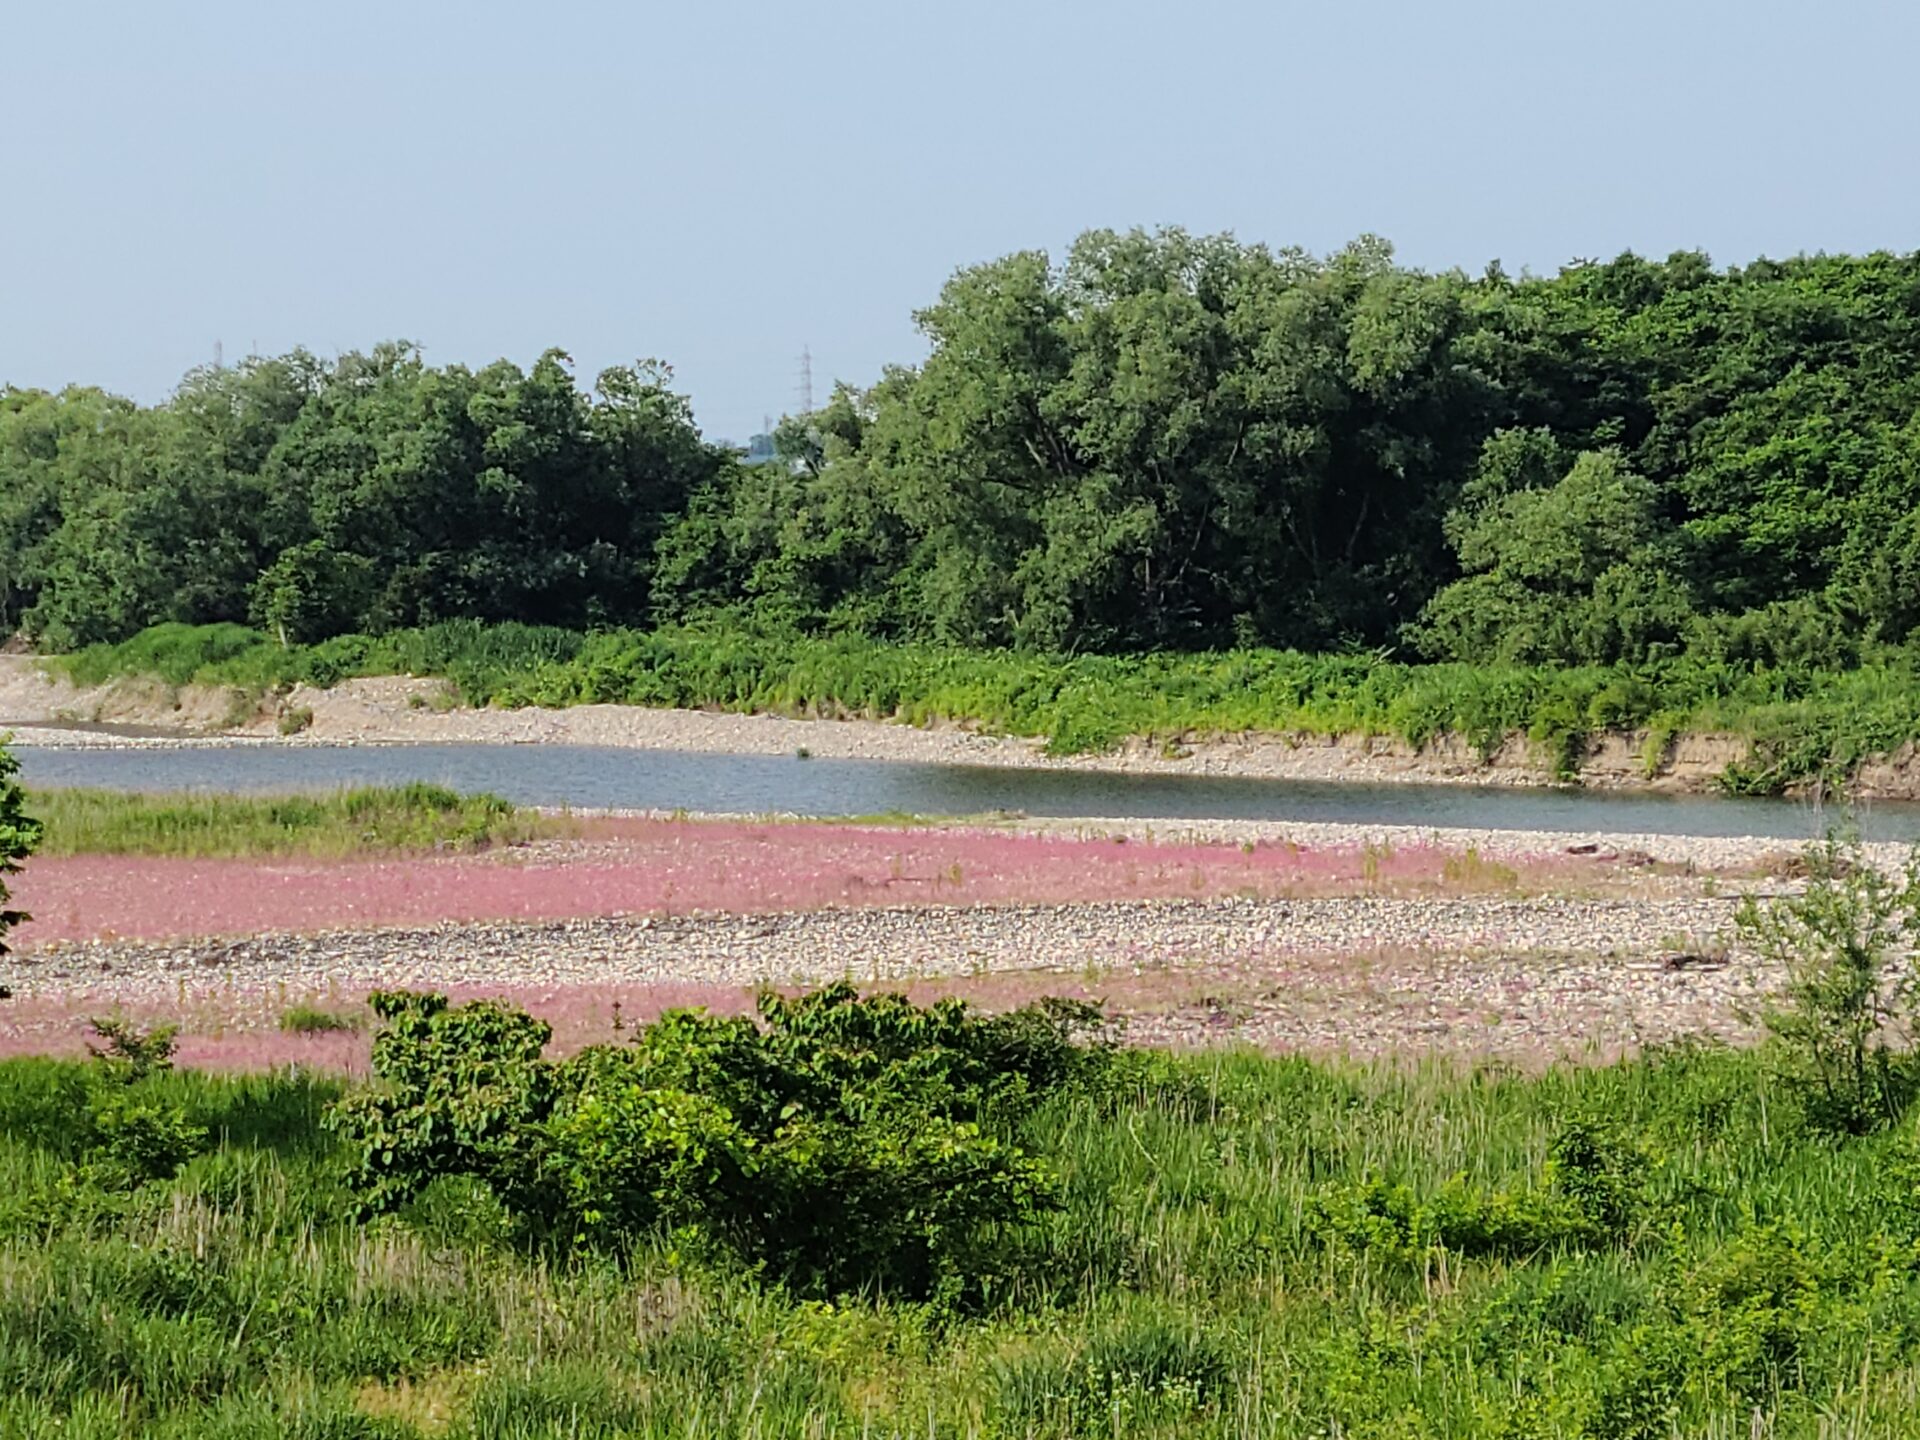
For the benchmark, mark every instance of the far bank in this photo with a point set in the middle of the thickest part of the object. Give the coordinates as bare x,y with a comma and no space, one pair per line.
1264,714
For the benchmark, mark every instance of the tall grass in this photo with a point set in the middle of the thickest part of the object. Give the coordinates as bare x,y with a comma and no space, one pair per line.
380,820
1801,725
1765,1283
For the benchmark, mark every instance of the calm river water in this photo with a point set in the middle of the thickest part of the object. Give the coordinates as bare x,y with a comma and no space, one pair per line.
588,776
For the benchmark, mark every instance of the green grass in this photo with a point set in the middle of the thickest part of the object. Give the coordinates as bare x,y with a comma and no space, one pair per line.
1802,725
387,820
305,1019
1767,1281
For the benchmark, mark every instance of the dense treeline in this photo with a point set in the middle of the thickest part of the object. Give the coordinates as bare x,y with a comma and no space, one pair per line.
315,499
1165,442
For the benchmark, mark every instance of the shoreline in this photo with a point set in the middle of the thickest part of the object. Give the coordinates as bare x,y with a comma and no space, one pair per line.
48,712
671,866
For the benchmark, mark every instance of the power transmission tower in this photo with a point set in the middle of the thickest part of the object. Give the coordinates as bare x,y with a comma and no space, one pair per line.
806,381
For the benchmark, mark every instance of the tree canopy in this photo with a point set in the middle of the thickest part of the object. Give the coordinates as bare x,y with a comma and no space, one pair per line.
1160,441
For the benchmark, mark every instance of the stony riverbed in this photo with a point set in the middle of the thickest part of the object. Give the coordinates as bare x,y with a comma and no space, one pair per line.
1519,979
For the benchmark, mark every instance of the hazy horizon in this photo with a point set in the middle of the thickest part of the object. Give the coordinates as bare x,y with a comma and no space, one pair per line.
719,188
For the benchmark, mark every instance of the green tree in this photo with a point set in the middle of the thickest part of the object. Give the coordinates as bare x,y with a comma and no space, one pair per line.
1574,571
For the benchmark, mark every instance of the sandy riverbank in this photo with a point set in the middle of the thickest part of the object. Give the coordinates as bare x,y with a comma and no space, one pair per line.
400,710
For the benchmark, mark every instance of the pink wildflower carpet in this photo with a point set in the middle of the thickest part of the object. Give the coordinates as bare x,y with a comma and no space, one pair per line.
679,867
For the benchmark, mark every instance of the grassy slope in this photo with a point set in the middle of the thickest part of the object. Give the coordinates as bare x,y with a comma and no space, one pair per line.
1803,724
1770,1275
389,820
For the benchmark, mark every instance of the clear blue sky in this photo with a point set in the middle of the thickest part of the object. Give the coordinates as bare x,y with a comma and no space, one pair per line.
718,183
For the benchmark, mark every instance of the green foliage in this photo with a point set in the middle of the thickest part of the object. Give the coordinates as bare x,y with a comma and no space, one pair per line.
130,1053
1157,441
136,1140
1640,493
20,835
843,1143
1805,725
305,1019
1701,1256
376,820
1846,944
1593,1194
1134,1371
365,494
1578,572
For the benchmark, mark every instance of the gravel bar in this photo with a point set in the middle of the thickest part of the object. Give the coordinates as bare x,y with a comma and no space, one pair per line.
899,944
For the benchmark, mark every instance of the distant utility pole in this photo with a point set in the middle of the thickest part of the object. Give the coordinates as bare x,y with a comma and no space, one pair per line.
219,356
806,381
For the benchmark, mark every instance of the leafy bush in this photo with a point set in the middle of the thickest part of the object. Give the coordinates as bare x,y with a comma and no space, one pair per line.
1396,1223
840,1143
1603,1174
135,1140
19,834
131,1053
1593,1192
132,1136
1846,945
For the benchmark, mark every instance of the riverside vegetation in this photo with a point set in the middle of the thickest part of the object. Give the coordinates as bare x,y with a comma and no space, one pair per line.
20,833
1802,724
371,821
1029,1235
1641,492
852,1215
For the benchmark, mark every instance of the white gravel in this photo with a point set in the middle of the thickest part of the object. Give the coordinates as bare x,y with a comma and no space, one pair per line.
1525,979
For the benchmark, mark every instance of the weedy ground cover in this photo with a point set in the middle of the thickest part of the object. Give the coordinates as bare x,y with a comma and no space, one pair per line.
1801,725
1219,1246
337,824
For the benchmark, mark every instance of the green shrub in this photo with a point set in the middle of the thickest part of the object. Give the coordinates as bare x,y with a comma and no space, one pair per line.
841,1143
19,835
137,1139
1603,1174
306,1019
130,1053
1592,1192
1846,946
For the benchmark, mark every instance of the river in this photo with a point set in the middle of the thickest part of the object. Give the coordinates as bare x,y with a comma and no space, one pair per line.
617,778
